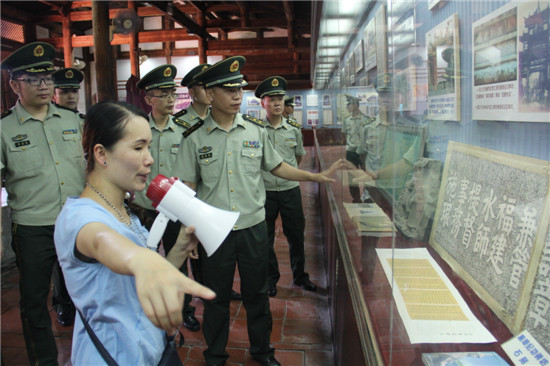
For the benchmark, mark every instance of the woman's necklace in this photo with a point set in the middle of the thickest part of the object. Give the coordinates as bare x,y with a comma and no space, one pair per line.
120,216
128,222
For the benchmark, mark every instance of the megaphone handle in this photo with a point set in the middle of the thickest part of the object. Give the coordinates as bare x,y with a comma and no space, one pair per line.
157,231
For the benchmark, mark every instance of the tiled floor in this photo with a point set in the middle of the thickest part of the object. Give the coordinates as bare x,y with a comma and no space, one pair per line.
301,328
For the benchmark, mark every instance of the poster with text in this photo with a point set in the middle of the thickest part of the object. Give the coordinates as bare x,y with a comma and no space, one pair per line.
511,63
312,118
444,71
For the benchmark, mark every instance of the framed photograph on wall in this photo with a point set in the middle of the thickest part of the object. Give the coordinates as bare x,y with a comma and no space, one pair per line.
370,44
298,102
326,101
443,49
508,70
252,102
381,55
358,53
351,69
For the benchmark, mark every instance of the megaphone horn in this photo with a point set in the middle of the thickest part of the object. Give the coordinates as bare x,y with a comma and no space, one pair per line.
175,201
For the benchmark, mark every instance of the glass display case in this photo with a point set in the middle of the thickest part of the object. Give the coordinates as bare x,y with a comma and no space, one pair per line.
436,231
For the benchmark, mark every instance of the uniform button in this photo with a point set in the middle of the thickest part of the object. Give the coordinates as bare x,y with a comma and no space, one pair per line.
62,183
206,161
24,149
231,172
233,208
51,143
232,190
57,163
252,155
161,150
235,227
229,153
208,129
161,164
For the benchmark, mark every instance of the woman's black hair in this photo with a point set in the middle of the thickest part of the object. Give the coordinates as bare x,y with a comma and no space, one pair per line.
104,124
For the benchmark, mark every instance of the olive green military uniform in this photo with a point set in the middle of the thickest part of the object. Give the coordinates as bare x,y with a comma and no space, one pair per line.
226,167
352,129
189,116
284,197
43,164
372,135
67,78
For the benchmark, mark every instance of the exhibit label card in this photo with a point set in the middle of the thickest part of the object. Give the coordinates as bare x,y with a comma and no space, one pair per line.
431,308
523,349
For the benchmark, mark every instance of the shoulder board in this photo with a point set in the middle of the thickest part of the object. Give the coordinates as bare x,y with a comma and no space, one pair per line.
183,112
294,123
193,128
67,109
6,113
182,123
254,120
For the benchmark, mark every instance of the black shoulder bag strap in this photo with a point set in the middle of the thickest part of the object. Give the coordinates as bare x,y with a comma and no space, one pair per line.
102,351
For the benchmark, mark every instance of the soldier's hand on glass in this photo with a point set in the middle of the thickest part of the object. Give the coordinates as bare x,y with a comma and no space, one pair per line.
362,176
325,176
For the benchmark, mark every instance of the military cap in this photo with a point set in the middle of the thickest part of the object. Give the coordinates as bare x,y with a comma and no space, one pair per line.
351,99
160,77
274,85
225,73
68,78
188,78
33,58
290,101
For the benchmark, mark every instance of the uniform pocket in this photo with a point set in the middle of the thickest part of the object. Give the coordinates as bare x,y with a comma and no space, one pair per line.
25,158
251,161
72,145
210,167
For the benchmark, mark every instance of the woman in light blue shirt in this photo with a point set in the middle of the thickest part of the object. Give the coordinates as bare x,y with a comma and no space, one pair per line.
128,294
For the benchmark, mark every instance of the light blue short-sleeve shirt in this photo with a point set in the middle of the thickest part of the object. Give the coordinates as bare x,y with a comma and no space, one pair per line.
107,300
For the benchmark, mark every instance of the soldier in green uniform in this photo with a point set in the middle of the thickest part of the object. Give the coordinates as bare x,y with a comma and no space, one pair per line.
66,95
283,196
199,108
289,108
197,111
222,158
42,164
351,128
167,132
67,86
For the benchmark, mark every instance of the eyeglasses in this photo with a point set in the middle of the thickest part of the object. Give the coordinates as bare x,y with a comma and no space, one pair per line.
48,80
165,96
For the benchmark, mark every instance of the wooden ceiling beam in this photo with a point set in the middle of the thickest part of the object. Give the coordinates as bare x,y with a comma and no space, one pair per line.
182,19
79,4
85,15
143,37
278,22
